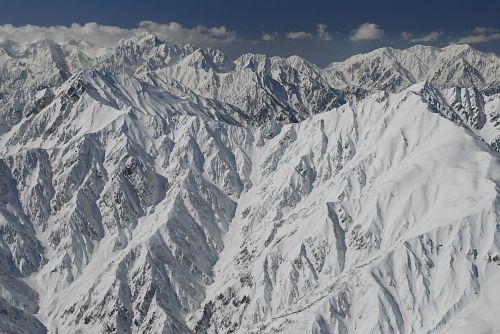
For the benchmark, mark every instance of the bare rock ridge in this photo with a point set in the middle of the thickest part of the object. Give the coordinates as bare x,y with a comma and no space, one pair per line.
161,188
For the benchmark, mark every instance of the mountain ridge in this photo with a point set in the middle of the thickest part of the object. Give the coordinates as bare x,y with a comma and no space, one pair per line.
268,87
154,194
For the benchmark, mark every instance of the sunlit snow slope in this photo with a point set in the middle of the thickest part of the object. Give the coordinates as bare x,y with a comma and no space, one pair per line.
162,188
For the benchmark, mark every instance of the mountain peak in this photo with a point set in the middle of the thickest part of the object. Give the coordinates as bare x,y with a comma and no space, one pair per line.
163,188
143,39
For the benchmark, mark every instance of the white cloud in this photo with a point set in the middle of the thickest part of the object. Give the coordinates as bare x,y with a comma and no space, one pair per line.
323,32
201,35
481,35
430,37
104,35
269,37
91,32
367,31
298,35
406,35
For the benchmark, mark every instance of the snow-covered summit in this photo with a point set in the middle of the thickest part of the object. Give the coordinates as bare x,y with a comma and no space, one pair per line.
262,87
392,70
163,188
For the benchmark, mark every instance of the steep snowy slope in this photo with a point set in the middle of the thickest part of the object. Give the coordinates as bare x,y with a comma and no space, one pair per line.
78,176
265,88
288,89
388,69
160,188
26,71
376,217
481,113
122,214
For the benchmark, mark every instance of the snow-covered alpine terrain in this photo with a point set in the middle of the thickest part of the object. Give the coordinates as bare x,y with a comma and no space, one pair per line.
152,187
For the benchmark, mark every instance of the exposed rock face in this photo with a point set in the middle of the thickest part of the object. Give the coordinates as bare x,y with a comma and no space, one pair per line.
159,188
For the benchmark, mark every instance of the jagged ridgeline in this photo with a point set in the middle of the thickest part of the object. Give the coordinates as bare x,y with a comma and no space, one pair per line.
161,188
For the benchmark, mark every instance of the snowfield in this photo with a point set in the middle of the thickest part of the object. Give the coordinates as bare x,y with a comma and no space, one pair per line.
160,188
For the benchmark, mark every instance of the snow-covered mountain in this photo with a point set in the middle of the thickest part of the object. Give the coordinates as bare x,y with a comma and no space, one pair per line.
286,89
389,69
161,188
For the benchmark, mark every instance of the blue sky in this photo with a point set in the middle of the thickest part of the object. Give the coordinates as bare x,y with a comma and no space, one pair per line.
283,28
